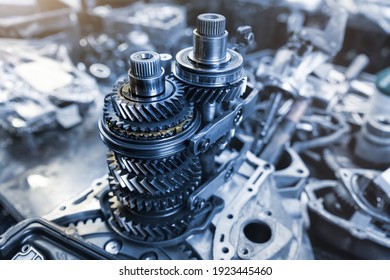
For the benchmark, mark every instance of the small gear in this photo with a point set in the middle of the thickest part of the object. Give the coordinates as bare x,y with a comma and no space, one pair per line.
150,229
203,95
155,177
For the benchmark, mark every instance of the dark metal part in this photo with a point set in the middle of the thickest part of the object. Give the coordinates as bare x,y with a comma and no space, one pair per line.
39,239
284,132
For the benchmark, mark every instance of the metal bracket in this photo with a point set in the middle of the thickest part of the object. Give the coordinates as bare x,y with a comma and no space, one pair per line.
223,174
212,132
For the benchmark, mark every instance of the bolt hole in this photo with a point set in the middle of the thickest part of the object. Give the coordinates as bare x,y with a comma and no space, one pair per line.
230,216
250,190
62,208
25,248
245,251
269,213
300,171
258,232
225,250
267,166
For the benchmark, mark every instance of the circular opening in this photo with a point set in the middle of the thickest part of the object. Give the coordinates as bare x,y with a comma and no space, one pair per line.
269,213
245,251
62,208
250,189
300,171
210,16
225,250
25,248
145,56
258,232
267,166
230,216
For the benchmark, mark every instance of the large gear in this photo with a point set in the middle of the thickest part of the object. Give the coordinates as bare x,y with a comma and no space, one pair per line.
149,229
153,178
144,203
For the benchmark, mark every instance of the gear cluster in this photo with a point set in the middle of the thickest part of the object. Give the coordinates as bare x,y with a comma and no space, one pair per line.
148,122
149,109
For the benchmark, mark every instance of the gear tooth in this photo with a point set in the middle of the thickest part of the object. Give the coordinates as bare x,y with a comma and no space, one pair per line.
141,230
151,188
151,232
153,112
132,203
148,206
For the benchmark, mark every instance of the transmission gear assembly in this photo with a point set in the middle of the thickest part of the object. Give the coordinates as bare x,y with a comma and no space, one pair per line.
150,122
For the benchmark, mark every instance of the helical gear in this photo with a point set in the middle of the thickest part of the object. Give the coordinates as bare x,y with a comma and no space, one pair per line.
203,95
153,119
155,177
151,229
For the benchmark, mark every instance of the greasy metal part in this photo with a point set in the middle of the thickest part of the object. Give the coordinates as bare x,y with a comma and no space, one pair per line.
306,51
146,75
252,225
231,119
245,39
152,171
357,182
166,63
350,227
291,179
373,141
209,63
284,132
210,39
223,174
